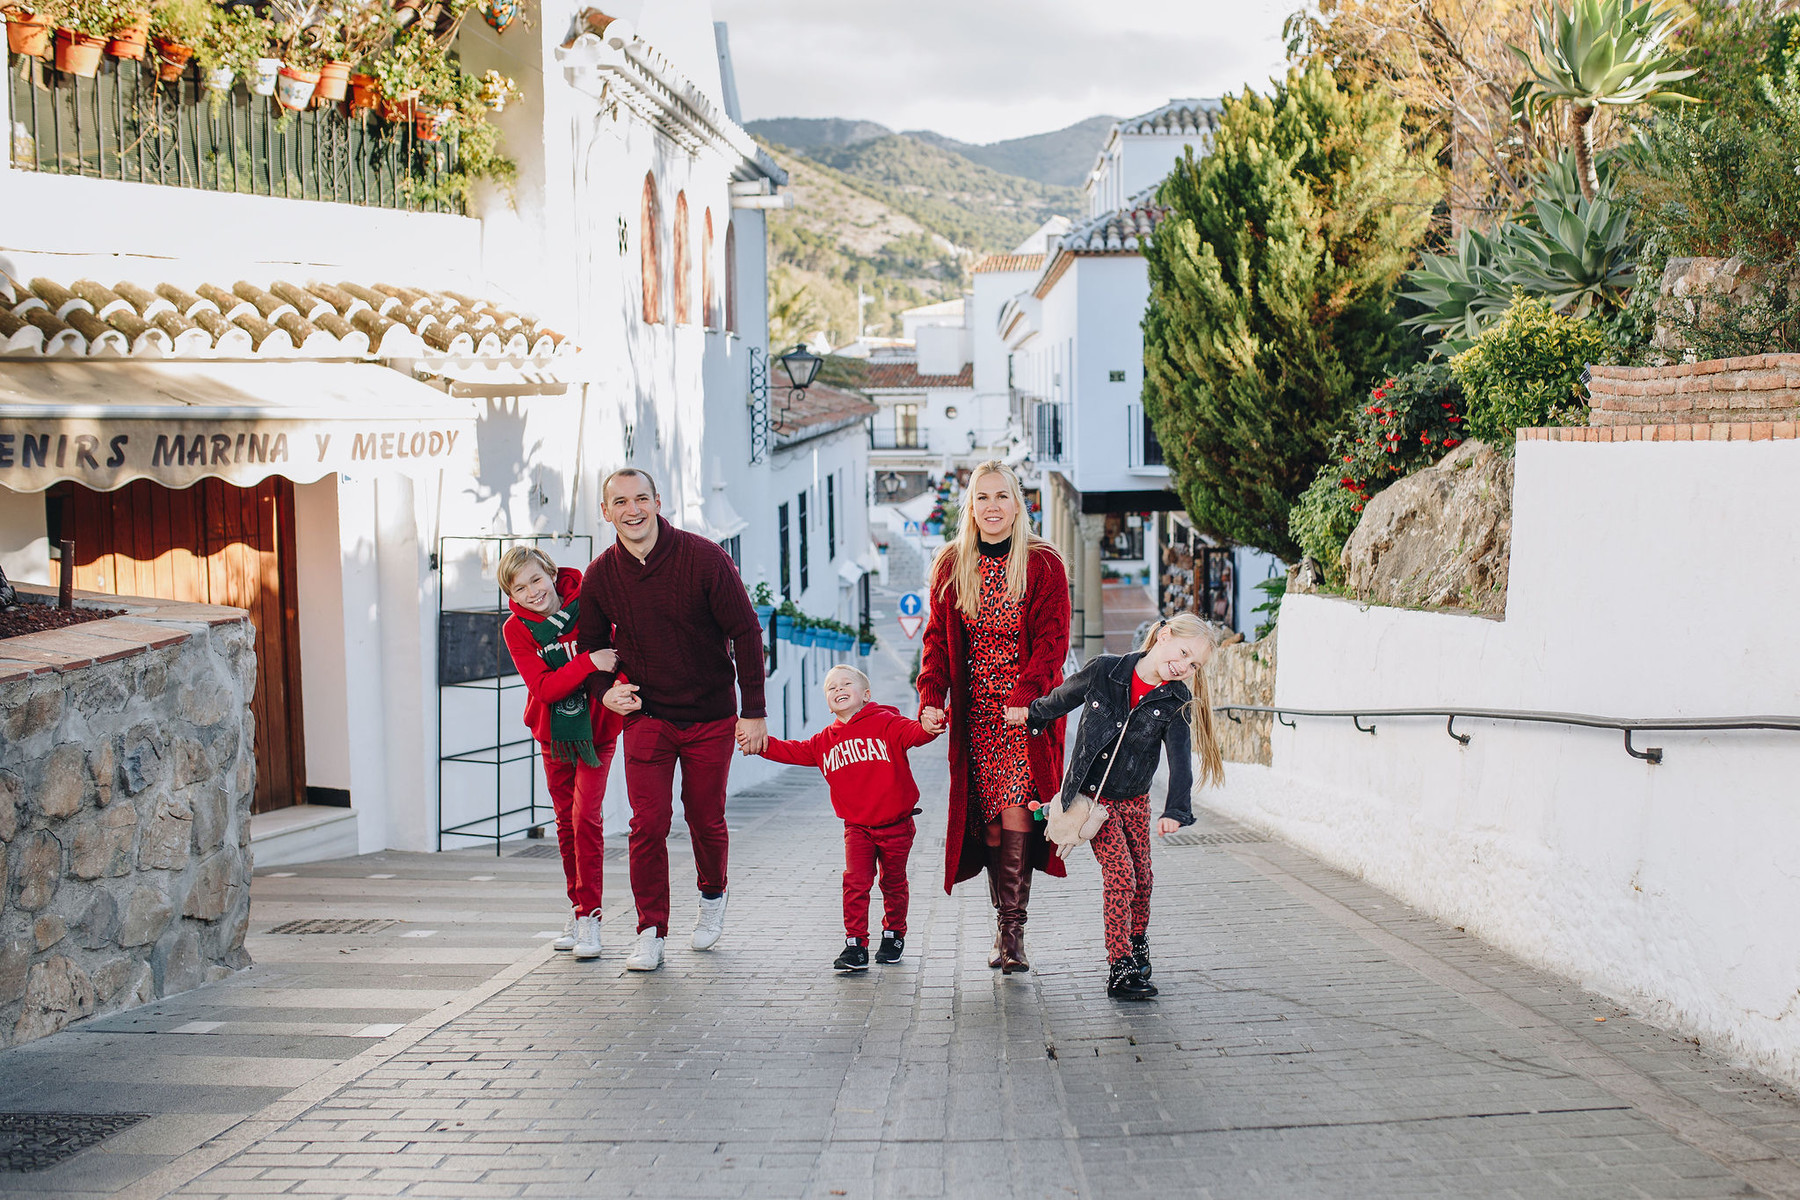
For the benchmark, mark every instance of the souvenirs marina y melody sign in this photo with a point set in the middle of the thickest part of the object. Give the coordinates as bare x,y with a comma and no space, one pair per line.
36,453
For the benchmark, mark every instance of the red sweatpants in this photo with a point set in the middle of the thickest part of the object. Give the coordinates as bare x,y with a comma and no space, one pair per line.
1123,848
576,792
652,749
865,849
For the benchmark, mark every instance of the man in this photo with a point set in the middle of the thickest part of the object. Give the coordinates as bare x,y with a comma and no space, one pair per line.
673,606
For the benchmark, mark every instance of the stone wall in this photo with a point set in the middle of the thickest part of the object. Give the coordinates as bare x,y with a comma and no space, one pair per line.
126,772
1762,389
1243,673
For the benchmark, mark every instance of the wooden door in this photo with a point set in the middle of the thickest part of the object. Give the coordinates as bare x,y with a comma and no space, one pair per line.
211,543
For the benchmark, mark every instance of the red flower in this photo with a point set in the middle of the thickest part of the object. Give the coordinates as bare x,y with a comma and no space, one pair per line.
1449,442
1453,420
1383,421
1356,508
1389,383
1425,438
1349,483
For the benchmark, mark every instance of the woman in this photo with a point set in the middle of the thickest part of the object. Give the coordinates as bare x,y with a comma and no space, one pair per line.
996,640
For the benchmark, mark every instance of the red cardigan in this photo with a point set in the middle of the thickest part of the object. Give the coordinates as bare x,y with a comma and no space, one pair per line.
544,687
944,671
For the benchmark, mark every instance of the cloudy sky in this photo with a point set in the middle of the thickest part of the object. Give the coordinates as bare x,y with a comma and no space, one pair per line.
984,70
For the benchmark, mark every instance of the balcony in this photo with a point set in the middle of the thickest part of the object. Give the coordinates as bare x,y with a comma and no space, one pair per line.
899,439
124,125
1145,453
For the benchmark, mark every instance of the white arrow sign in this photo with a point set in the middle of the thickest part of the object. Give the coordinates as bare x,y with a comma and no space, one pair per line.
910,626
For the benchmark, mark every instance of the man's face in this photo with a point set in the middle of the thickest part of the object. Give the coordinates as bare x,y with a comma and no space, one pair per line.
632,508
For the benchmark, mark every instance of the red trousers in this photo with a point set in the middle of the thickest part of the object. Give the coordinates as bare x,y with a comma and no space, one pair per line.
576,792
865,850
1123,848
653,748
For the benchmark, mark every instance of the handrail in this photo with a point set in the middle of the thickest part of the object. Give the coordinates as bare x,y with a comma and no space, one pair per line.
1650,754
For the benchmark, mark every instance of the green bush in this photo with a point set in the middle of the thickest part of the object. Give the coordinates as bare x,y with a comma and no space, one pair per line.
1525,371
1408,423
1323,519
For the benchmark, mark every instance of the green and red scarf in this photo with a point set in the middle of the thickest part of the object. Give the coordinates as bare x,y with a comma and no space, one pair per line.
571,726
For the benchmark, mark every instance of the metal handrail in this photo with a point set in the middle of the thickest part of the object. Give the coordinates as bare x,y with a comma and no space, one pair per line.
1650,754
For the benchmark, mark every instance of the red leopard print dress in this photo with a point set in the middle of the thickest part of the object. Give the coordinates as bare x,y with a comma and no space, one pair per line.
1001,769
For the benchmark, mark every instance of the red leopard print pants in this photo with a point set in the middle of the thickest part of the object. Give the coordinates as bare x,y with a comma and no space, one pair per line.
1123,848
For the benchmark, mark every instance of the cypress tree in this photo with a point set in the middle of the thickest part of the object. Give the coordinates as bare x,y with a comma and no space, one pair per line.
1272,282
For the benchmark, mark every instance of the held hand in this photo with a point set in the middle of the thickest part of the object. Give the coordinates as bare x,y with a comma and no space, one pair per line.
752,735
622,698
1017,716
605,660
1167,825
932,720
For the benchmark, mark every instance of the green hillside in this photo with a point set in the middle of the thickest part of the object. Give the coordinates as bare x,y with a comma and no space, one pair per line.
1062,157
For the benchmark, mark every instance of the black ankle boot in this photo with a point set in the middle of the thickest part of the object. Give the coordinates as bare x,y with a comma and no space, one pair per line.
1140,954
1124,983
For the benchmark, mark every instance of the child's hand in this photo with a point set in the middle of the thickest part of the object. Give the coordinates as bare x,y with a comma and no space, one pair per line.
1167,825
622,698
604,660
932,720
1017,716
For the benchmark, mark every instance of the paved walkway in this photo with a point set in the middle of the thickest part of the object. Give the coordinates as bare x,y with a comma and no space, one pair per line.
1313,1038
1125,606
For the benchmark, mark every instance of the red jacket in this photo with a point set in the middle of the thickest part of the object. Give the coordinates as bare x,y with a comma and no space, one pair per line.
864,761
544,687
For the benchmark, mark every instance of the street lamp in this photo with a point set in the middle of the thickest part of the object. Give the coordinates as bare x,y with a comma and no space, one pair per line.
802,367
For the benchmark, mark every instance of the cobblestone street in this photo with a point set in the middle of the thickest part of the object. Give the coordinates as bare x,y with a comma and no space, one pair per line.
1313,1038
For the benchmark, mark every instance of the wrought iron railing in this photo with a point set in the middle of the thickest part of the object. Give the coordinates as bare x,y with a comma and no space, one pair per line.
122,124
1627,726
899,439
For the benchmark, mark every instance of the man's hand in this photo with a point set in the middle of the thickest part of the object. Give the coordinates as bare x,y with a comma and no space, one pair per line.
622,698
1167,825
932,720
1017,716
752,735
604,660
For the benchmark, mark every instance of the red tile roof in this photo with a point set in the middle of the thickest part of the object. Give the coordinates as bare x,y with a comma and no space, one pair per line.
820,405
890,375
1009,262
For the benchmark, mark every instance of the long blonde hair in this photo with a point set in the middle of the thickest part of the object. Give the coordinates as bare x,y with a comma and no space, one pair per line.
1199,707
958,562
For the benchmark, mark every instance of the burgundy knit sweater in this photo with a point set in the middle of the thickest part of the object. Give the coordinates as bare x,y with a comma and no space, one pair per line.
676,619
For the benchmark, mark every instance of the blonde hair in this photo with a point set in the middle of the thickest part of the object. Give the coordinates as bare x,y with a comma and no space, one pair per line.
1199,707
958,562
850,670
514,562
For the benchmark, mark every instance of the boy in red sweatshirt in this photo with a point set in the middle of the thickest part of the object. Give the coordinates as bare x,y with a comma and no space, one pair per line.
576,735
863,756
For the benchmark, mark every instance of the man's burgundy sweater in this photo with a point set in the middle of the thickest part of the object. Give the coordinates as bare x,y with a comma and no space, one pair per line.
671,618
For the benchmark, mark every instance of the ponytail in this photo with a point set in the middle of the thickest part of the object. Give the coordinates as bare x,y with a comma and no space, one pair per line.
1198,709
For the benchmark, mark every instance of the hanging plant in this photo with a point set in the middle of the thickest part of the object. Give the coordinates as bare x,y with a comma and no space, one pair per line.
177,28
497,91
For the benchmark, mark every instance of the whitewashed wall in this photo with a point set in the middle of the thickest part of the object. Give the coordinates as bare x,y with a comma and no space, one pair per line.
1647,580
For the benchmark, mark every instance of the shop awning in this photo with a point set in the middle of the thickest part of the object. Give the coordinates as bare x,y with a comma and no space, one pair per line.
105,423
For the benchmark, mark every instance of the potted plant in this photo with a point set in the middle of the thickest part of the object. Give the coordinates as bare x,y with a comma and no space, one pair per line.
27,30
403,69
177,28
497,91
363,27
865,641
130,36
82,30
763,601
231,46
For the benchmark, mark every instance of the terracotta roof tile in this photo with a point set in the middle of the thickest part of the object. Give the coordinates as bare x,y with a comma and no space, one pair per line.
820,405
1009,262
1121,231
904,373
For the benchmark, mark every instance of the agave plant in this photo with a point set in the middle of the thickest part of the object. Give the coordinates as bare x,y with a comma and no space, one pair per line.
1581,255
1462,291
1594,52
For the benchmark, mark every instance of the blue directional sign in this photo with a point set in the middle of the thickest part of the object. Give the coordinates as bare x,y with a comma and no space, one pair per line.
911,605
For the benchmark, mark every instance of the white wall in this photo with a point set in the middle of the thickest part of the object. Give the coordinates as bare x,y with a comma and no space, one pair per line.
1670,886
24,545
324,681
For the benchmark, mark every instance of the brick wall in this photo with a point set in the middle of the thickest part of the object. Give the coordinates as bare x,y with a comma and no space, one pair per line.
1762,388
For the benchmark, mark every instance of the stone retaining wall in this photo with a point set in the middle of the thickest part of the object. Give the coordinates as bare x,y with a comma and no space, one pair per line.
127,766
1243,673
1759,389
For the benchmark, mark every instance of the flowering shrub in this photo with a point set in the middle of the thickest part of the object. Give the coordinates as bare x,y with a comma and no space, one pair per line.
1525,371
1408,423
1322,520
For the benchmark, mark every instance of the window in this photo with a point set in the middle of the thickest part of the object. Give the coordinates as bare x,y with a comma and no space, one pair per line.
684,264
830,517
803,563
781,533
1115,377
734,546
709,315
906,425
730,277
950,412
650,249
1049,440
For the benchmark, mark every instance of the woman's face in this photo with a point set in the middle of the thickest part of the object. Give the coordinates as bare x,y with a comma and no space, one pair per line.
994,505
533,590
1175,658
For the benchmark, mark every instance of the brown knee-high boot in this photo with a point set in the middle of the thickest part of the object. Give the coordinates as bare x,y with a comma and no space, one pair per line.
1014,885
993,874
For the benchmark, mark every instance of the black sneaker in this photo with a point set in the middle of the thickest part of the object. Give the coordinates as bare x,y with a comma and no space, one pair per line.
1140,954
855,956
891,946
1124,983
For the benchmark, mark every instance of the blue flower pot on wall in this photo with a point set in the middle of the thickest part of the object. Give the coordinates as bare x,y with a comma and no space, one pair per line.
763,613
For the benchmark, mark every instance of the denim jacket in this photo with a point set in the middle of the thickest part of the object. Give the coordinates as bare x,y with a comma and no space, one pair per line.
1102,690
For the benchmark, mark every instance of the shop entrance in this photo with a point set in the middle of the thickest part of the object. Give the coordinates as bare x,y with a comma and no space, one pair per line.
212,543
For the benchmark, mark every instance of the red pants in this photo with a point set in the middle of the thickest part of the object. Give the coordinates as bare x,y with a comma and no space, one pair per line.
652,750
866,849
576,792
1123,848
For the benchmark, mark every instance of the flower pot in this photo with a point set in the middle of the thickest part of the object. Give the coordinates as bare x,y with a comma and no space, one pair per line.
132,39
28,33
396,109
294,87
172,59
267,71
864,649
220,79
365,93
763,613
428,124
334,81
77,53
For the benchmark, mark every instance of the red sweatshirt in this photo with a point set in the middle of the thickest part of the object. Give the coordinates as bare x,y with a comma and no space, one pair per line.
544,687
864,761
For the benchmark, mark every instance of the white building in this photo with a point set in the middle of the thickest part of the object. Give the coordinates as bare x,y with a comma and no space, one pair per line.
436,383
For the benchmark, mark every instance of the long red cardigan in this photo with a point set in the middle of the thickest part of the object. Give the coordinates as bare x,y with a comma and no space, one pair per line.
944,669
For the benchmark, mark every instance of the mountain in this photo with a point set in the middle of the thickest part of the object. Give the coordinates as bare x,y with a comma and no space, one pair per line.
1062,158
806,134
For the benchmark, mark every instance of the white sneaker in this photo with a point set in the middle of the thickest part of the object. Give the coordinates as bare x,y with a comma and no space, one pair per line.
647,954
710,924
567,940
587,937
